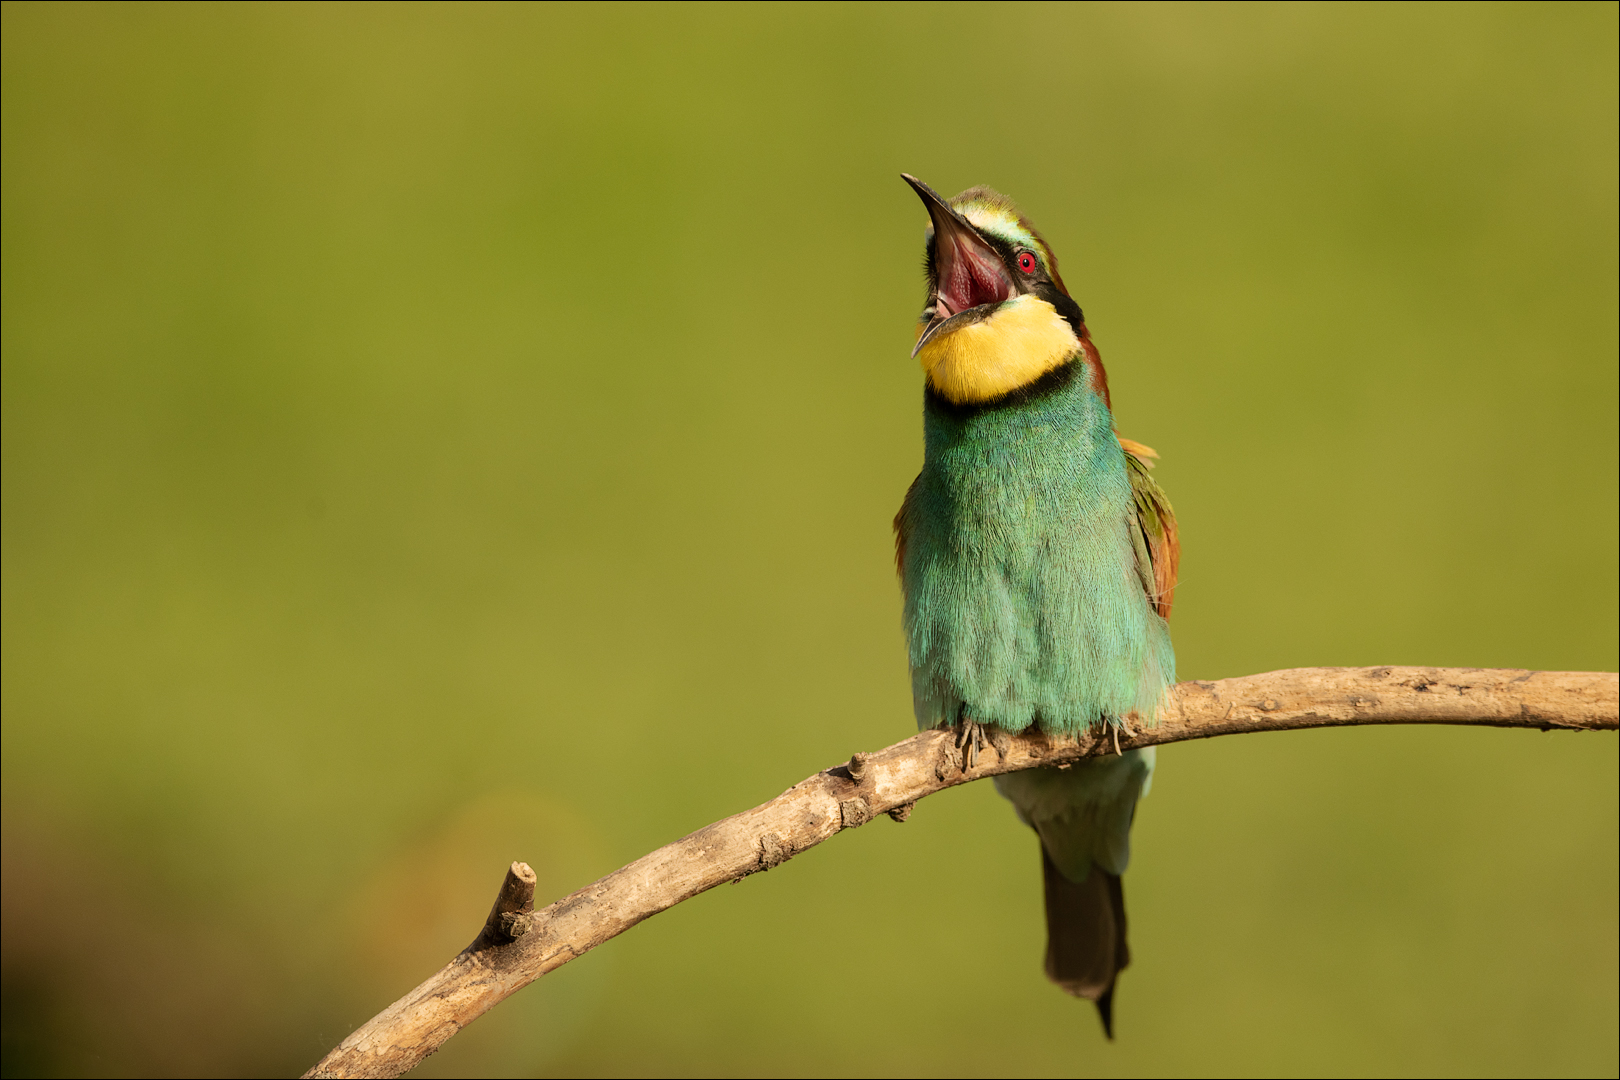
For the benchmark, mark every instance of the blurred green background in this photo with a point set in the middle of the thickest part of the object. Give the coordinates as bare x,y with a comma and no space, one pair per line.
438,435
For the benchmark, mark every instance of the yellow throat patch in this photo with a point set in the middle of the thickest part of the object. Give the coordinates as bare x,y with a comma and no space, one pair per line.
1023,340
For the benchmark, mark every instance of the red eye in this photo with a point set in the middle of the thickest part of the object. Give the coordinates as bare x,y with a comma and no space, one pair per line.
1026,262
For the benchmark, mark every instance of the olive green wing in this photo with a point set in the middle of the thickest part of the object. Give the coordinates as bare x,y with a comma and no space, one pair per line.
902,529
1153,528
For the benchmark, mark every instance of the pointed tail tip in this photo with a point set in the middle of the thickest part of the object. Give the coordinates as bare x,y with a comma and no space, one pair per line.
1105,1009
1104,1003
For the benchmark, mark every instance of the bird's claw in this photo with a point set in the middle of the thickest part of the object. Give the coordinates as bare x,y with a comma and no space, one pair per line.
970,740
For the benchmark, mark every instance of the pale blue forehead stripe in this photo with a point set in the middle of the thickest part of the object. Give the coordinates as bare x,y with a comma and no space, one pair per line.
999,224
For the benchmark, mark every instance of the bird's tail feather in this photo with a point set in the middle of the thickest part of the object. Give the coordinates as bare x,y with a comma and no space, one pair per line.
1085,935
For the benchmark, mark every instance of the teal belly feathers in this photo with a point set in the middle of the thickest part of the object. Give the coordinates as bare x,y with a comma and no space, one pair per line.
1023,605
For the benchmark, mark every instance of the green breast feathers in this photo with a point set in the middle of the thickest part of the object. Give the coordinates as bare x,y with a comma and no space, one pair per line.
1027,548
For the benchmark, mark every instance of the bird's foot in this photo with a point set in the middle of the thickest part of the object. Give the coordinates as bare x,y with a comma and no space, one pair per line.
970,739
1122,726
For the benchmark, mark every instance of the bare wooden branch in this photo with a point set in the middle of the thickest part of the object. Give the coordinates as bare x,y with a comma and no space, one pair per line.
518,945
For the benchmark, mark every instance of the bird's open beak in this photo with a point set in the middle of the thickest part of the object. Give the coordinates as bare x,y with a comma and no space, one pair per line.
969,278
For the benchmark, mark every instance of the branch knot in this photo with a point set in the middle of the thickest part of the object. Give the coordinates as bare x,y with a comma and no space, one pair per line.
772,851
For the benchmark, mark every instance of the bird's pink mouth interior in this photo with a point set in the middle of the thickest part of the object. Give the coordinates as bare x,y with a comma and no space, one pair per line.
970,274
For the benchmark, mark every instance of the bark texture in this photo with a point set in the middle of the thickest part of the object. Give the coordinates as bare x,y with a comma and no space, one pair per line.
518,945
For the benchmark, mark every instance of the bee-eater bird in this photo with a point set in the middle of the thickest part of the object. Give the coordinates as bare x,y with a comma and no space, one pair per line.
1038,559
